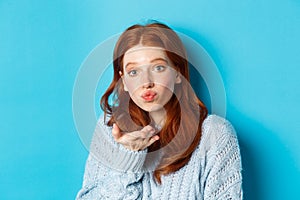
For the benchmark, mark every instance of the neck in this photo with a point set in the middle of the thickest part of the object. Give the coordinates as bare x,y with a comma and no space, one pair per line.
158,117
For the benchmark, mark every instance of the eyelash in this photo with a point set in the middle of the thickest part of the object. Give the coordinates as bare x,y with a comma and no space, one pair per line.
130,72
160,66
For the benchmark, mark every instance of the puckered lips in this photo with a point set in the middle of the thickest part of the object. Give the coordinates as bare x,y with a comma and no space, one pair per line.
149,95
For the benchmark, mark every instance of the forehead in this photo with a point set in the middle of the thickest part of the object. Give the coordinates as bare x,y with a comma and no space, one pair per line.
142,54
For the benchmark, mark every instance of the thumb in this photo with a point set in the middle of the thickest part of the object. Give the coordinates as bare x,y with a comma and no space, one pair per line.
116,131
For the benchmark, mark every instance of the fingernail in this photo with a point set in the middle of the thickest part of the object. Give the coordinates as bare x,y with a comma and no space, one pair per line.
152,131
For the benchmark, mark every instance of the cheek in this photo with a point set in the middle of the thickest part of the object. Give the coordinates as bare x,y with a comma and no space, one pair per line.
167,83
131,86
167,80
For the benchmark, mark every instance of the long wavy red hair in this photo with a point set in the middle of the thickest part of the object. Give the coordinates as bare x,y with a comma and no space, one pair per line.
185,113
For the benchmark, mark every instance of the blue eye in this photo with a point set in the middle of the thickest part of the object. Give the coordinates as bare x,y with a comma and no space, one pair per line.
132,72
159,68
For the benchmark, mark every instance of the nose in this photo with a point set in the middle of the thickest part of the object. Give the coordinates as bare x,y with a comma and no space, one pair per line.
148,85
147,80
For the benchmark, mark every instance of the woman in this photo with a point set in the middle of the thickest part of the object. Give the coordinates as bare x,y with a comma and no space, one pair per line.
155,139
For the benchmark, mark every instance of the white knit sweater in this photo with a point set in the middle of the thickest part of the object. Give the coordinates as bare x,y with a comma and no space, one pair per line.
213,172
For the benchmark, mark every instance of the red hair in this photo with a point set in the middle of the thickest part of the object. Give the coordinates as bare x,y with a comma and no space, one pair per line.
185,113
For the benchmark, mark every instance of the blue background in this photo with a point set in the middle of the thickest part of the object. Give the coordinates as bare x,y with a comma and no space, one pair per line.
255,45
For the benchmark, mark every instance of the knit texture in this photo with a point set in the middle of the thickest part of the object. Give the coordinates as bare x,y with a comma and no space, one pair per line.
213,172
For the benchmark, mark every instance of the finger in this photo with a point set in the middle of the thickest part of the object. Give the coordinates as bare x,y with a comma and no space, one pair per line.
147,132
116,132
153,139
142,134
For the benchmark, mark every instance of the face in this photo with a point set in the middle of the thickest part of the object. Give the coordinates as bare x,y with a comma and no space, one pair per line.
149,77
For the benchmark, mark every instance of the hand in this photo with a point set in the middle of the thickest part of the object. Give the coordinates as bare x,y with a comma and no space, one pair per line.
136,140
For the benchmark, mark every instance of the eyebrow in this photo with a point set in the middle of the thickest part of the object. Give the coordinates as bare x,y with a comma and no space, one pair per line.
152,61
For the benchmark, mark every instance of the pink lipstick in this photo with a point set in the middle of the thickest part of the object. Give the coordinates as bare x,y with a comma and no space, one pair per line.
149,95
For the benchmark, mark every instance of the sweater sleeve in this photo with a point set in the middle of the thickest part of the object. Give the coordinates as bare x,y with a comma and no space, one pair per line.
112,171
223,178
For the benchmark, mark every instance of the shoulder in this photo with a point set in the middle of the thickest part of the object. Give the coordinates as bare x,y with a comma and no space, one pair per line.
102,124
217,125
102,133
222,161
216,130
102,120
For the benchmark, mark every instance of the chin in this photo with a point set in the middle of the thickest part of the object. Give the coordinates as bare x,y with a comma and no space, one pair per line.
152,107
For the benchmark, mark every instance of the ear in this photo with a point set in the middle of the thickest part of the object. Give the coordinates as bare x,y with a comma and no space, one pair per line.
178,78
122,77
